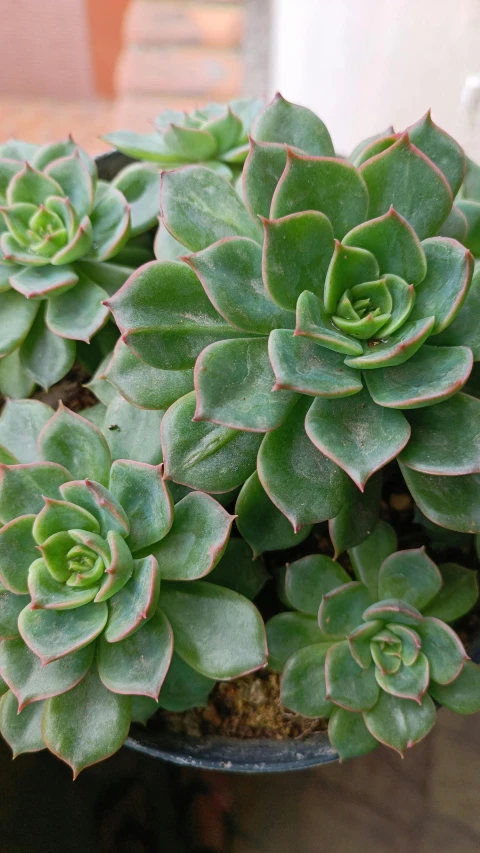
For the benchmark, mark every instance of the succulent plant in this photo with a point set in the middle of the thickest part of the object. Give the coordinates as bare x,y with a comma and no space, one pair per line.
321,328
94,600
59,226
373,654
214,134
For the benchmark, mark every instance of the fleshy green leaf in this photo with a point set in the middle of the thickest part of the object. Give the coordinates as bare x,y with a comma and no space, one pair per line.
314,322
15,382
135,602
408,682
393,243
263,169
75,180
357,518
145,386
433,374
341,609
396,611
307,580
200,207
349,266
442,150
17,551
296,253
237,570
142,493
333,187
16,318
445,286
457,595
140,184
349,735
45,356
455,226
303,688
231,274
400,723
32,187
87,724
110,220
133,433
183,687
216,631
20,425
347,430
348,684
443,649
463,694
451,502
98,501
410,575
57,516
464,330
70,440
445,438
298,126
23,732
471,212
138,664
119,569
261,524
397,349
202,455
23,487
47,281
403,177
367,557
53,634
233,383
79,313
48,594
302,365
11,606
197,538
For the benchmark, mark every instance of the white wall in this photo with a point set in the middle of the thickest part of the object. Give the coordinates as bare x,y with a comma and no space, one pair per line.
365,64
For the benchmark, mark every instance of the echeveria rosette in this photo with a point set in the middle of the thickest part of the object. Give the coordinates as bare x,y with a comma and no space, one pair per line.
59,226
322,319
102,581
372,654
216,135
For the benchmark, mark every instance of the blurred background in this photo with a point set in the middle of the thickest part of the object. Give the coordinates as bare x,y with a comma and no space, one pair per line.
92,66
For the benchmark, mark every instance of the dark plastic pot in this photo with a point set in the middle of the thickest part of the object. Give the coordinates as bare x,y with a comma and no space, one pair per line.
232,755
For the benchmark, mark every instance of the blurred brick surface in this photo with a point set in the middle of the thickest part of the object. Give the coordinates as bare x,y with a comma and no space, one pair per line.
179,71
45,120
149,23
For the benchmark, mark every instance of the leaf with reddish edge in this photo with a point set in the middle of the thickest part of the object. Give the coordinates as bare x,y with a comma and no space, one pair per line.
349,735
411,643
17,551
455,226
359,642
237,570
451,502
16,318
357,518
196,540
140,184
78,245
21,730
433,374
302,483
260,523
86,724
99,502
144,496
33,282
403,299
348,266
282,121
457,595
70,440
445,286
110,220
289,632
231,274
139,663
363,146
142,385
302,365
263,169
471,212
314,322
54,552
393,243
165,316
202,455
465,329
410,576
32,187
233,384
184,688
57,516
297,250
133,433
445,652
119,570
408,682
445,438
374,147
400,723
48,594
75,180
341,609
404,177
348,684
397,349
135,603
53,634
347,430
6,457
165,247
218,632
11,606
23,487
461,695
45,356
200,207
441,149
331,186
394,610
303,688
79,313
307,580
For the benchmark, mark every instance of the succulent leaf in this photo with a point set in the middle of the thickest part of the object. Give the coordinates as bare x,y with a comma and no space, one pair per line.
304,690
261,524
